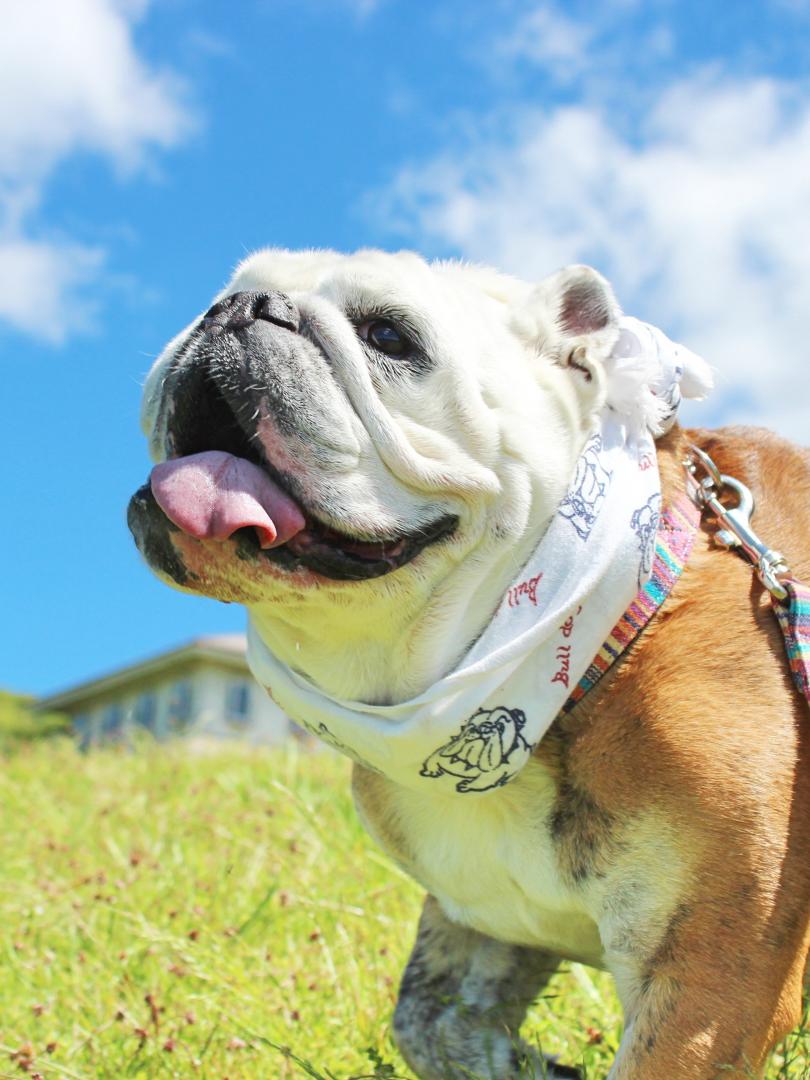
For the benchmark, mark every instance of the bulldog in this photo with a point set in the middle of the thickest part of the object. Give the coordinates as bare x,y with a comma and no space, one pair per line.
368,451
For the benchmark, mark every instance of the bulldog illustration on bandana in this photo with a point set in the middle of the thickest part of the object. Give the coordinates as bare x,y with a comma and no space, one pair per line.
583,502
481,753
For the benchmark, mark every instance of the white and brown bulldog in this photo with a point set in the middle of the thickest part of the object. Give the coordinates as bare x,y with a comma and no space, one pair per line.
366,450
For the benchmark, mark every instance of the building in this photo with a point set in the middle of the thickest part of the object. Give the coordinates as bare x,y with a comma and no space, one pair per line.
203,688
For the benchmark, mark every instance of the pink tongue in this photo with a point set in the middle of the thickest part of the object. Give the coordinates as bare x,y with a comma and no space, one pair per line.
211,495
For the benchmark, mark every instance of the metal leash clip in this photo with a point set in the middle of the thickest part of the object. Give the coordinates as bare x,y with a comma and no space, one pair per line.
735,532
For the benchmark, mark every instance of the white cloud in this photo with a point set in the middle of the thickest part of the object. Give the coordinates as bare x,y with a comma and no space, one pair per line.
699,214
547,37
42,287
71,79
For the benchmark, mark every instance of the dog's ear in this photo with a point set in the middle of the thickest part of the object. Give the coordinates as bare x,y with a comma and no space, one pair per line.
584,301
572,317
580,305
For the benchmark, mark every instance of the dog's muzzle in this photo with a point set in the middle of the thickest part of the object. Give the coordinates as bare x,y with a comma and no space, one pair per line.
248,359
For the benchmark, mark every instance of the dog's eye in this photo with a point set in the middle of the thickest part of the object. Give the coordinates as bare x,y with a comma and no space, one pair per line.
384,336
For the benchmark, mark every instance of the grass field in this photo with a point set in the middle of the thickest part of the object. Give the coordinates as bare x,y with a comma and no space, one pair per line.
221,916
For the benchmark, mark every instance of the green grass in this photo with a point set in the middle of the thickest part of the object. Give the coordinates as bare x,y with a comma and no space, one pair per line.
18,725
220,916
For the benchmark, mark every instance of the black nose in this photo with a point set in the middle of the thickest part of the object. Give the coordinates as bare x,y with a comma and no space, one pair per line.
241,309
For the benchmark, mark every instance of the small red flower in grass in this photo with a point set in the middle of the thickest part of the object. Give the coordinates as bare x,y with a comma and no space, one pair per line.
236,1043
595,1036
38,1009
169,1046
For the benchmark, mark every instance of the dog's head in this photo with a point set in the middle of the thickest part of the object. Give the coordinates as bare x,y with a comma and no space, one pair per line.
363,448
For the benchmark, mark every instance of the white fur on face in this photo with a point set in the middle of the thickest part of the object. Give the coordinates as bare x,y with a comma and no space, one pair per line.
488,431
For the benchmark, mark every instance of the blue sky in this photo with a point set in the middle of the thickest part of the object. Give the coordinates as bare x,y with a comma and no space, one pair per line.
146,147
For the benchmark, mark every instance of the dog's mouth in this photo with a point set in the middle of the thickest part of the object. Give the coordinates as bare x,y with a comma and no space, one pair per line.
218,485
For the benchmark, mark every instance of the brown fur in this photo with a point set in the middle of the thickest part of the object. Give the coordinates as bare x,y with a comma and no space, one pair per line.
701,724
702,721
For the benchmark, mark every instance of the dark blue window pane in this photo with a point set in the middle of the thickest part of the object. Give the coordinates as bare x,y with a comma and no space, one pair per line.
112,720
237,703
145,710
180,705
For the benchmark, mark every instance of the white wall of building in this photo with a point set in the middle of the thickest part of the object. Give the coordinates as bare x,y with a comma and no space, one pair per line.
207,700
232,705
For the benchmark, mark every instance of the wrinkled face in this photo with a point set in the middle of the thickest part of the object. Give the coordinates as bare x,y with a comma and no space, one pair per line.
335,422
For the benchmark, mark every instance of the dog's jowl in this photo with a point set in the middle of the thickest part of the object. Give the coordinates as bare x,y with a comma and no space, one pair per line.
455,507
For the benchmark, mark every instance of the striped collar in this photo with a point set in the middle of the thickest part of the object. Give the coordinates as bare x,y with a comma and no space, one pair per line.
674,539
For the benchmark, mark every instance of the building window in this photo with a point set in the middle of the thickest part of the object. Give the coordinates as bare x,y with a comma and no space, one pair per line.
180,705
145,711
83,729
112,720
237,703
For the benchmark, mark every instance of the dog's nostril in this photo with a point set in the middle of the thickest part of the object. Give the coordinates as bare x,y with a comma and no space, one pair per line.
277,308
241,309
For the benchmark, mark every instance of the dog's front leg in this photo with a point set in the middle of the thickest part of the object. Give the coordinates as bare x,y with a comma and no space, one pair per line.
462,1000
710,1008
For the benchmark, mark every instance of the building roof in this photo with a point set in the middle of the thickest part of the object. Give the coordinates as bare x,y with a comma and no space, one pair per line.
227,649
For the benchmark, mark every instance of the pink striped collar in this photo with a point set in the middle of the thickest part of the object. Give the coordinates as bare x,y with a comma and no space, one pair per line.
674,539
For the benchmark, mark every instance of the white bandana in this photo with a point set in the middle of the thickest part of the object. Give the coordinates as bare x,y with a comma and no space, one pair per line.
474,729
